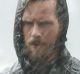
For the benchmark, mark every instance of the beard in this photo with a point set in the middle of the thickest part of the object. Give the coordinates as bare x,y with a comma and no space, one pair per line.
38,52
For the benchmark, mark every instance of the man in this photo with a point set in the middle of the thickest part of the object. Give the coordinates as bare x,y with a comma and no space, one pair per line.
39,38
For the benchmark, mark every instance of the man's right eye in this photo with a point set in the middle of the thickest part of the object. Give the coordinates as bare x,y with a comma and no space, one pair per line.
27,23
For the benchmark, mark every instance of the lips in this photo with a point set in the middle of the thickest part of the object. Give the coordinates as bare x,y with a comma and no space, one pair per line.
35,43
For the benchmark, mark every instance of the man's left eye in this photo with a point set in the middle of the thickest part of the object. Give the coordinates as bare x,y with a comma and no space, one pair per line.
45,24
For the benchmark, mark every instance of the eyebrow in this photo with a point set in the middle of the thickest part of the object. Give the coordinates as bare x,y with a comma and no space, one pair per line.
26,19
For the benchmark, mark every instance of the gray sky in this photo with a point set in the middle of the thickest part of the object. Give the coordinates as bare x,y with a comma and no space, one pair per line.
7,14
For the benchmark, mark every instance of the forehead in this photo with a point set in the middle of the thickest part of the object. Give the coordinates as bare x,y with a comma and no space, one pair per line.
40,9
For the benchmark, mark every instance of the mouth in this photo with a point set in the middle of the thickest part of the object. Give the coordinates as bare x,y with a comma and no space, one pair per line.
36,44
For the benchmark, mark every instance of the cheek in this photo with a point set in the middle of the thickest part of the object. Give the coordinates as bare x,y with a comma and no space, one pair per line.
51,34
26,34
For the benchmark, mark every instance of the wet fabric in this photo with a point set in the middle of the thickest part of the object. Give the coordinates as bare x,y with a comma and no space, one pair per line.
66,64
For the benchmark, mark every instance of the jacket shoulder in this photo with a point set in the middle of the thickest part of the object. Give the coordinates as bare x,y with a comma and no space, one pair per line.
73,66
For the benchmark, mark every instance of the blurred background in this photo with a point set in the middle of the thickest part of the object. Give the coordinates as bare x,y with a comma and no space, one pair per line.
7,14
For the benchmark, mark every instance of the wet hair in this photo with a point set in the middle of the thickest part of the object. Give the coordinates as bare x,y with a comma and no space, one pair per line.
63,18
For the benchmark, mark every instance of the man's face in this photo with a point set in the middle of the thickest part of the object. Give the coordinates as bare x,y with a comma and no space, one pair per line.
40,28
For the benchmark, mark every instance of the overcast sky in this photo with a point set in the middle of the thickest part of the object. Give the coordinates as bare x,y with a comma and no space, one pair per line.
7,14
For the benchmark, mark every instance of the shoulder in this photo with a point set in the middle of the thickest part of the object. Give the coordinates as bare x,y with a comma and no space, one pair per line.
73,66
15,69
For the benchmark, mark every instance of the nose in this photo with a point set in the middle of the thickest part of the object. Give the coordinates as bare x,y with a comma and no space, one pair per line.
35,31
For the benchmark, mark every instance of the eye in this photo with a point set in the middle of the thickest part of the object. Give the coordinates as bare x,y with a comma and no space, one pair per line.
27,23
45,24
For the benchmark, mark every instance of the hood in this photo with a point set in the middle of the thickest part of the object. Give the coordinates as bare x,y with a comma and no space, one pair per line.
62,14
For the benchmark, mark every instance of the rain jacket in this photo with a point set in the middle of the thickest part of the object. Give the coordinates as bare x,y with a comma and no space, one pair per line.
64,64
